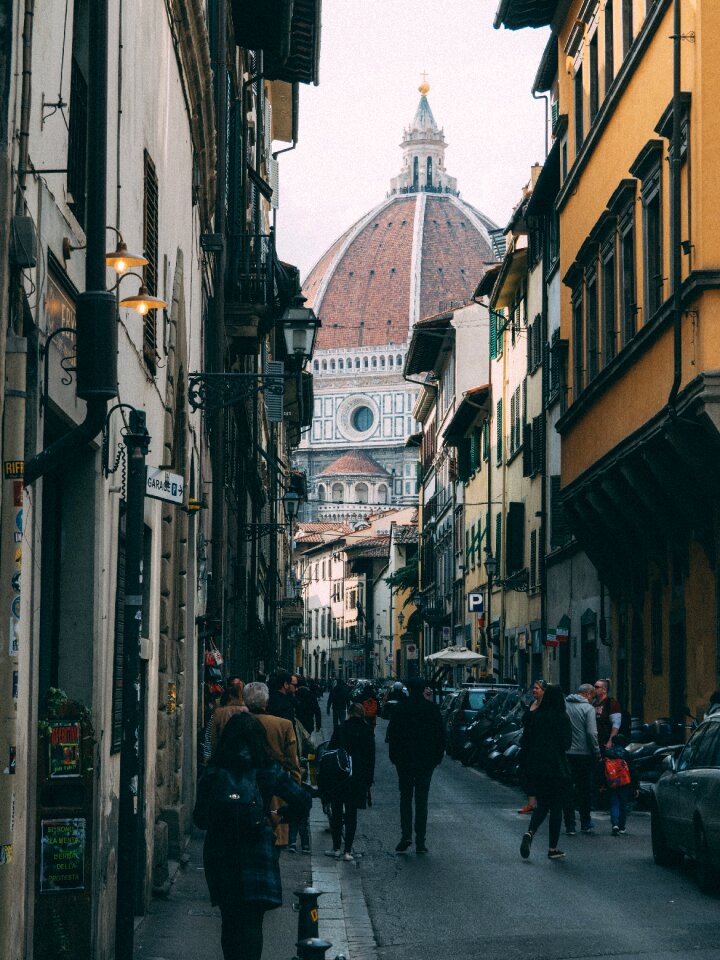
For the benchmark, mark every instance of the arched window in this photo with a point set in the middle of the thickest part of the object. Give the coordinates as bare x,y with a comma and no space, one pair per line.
361,493
382,363
317,365
349,363
374,363
341,364
321,492
391,361
365,363
382,493
398,360
337,493
324,364
415,172
429,171
332,364
357,363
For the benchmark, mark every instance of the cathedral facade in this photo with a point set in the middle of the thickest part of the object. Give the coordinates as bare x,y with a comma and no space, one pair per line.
420,252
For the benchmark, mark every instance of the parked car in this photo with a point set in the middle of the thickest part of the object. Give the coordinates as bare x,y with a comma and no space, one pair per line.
686,806
463,710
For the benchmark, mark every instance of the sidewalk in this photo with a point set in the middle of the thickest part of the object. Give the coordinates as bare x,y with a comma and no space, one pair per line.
185,927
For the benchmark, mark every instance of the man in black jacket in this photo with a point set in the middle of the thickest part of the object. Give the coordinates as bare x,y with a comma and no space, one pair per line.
307,709
417,745
280,703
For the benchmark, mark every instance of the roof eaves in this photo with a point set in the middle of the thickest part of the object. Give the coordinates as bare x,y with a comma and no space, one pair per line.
474,402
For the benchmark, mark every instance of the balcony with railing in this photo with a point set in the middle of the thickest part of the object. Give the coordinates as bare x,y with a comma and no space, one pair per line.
250,284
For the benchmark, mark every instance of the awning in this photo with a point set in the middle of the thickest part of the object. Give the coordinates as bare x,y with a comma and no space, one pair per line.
516,14
513,270
484,288
455,656
548,184
473,403
548,67
288,33
427,339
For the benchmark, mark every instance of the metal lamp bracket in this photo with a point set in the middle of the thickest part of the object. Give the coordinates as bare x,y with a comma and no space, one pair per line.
64,363
214,391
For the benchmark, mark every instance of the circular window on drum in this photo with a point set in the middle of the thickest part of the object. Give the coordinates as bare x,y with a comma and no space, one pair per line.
362,419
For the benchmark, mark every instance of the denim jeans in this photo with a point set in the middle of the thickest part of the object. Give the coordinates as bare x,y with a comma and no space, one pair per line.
620,799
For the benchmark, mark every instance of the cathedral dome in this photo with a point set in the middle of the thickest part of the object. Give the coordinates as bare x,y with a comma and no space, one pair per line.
416,254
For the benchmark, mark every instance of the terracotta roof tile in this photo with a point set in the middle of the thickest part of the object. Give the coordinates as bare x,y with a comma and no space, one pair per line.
352,464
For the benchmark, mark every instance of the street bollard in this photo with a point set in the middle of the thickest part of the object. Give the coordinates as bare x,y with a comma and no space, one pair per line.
313,948
307,909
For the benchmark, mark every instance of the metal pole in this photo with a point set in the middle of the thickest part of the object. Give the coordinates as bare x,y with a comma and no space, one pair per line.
137,441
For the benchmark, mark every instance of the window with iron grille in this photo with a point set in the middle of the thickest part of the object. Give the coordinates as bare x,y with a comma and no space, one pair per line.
150,273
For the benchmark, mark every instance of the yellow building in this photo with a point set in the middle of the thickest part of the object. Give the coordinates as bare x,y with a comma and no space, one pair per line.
639,258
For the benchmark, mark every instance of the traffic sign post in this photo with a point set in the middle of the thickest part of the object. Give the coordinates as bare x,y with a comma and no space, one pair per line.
163,485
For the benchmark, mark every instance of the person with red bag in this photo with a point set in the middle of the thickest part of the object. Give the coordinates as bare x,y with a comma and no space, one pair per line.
619,783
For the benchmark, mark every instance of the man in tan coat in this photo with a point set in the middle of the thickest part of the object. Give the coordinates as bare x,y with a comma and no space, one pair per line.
282,742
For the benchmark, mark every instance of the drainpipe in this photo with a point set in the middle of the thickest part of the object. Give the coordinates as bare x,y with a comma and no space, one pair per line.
546,98
96,311
218,352
675,211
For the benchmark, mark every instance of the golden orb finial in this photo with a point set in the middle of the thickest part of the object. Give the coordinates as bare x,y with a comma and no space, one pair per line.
424,86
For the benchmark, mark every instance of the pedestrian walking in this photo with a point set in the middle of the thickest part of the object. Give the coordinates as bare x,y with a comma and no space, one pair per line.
545,741
241,869
619,785
583,756
281,743
608,714
281,688
338,701
230,703
538,689
355,736
416,739
307,708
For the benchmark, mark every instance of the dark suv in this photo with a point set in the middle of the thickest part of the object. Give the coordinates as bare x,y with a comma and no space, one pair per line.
464,710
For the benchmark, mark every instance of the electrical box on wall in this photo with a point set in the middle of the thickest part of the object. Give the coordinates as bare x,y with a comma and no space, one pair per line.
23,242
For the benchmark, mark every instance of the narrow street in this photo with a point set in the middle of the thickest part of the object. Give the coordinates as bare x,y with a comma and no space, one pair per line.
472,896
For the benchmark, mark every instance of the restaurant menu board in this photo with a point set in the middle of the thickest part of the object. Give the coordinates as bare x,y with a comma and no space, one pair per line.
62,855
65,750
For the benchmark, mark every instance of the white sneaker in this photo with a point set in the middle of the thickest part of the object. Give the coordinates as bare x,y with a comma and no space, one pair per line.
347,857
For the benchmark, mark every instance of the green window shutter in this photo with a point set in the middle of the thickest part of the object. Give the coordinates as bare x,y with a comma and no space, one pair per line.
498,543
475,450
467,547
472,545
500,333
493,335
499,433
486,440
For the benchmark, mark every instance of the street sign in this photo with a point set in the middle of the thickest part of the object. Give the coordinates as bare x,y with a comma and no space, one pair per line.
163,485
476,603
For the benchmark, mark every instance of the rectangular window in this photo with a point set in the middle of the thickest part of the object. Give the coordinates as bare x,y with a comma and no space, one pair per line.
609,313
77,141
652,244
499,433
627,277
579,106
594,79
591,325
578,343
150,246
515,537
609,46
513,419
627,26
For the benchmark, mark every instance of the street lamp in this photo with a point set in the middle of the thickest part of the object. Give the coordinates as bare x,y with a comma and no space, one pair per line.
300,326
401,619
291,502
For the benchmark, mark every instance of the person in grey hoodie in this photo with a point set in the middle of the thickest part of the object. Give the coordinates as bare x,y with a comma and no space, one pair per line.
583,756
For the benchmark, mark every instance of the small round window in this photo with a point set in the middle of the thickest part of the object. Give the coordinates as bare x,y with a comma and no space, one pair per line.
362,419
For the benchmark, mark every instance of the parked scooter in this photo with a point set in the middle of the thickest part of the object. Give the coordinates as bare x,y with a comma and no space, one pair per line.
489,718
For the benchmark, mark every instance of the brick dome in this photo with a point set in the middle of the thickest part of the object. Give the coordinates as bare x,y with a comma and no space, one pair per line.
419,251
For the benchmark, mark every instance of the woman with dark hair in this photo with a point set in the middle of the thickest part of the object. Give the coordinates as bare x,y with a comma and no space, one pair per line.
241,868
545,741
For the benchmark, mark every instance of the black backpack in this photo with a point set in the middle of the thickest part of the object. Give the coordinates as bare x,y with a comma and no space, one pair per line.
231,801
333,771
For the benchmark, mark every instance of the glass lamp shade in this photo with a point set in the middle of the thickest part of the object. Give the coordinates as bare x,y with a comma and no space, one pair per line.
121,259
490,566
143,301
300,326
291,502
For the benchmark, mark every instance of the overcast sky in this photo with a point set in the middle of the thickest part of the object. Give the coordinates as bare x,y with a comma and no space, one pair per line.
372,56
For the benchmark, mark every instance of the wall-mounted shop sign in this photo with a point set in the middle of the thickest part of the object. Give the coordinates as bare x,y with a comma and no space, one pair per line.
60,309
65,756
62,855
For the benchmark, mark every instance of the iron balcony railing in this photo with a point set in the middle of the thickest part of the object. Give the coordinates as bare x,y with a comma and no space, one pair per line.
251,269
